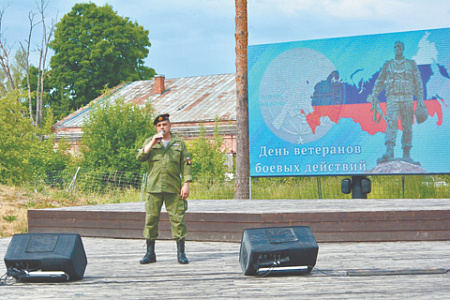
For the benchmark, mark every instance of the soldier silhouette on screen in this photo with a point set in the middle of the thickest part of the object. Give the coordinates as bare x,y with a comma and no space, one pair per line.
401,80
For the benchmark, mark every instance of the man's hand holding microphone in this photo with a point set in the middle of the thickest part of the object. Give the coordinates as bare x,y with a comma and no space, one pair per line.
157,138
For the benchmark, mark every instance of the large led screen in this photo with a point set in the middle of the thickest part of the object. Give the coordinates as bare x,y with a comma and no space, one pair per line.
374,104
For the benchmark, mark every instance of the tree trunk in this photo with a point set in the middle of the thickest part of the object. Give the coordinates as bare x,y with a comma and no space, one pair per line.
42,74
242,186
27,65
4,63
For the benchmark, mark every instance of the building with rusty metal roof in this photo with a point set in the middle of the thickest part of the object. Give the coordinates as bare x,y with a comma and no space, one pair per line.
192,102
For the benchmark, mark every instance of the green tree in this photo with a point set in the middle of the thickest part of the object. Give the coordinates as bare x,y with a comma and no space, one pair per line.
22,153
16,138
52,97
11,71
33,77
208,156
47,157
113,132
94,47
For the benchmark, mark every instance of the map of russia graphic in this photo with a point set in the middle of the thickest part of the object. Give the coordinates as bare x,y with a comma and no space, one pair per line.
361,114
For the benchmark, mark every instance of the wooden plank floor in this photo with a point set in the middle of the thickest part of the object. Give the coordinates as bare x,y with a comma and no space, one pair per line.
349,220
114,272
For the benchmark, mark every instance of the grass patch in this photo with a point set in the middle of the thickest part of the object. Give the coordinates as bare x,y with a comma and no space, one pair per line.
16,201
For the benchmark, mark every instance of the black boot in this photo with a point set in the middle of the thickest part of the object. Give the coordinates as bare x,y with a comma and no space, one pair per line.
406,155
150,256
387,156
182,259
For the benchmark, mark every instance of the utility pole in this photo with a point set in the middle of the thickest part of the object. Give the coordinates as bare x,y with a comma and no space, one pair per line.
242,184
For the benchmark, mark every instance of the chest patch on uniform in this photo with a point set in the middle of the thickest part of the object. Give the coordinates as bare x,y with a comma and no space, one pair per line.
175,144
188,160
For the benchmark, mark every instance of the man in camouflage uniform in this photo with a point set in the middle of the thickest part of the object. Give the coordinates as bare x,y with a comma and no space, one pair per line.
169,174
401,80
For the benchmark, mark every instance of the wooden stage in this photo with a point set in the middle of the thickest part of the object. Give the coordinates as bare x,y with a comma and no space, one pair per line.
348,220
392,270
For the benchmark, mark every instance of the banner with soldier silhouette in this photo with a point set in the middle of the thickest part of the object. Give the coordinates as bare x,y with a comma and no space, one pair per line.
374,104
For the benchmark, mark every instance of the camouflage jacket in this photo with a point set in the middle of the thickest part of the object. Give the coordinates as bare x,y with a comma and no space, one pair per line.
168,167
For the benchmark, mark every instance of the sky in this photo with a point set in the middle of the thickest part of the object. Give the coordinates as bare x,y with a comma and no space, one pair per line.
196,37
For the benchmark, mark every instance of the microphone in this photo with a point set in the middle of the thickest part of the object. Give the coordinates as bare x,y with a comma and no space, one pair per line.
160,139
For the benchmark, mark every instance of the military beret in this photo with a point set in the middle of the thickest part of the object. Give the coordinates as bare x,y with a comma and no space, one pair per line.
161,118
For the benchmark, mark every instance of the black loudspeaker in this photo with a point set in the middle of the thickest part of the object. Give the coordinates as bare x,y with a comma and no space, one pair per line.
278,249
44,255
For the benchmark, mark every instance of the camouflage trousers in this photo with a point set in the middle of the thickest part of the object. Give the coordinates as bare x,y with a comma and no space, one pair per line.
176,208
404,110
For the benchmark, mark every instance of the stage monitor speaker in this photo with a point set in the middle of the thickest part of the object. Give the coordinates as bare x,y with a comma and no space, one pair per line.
278,250
29,254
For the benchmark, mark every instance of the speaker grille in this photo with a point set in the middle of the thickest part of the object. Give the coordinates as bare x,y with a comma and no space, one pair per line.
41,243
281,235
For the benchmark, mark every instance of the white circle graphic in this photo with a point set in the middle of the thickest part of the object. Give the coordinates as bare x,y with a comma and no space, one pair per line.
286,90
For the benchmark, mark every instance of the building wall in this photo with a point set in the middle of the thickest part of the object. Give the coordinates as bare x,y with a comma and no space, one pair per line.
187,131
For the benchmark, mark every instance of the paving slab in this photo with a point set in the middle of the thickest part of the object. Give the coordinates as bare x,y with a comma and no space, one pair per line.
214,272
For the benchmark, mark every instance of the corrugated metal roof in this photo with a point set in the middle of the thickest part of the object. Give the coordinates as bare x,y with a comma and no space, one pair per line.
188,100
